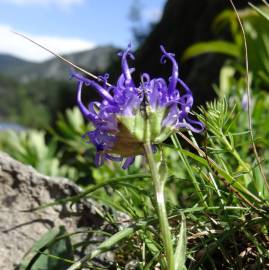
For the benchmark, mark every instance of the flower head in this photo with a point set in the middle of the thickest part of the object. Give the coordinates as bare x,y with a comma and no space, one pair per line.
129,116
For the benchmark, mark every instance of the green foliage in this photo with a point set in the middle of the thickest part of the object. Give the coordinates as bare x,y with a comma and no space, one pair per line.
30,147
257,28
216,196
49,251
63,154
257,36
260,11
212,201
76,152
218,188
39,101
219,46
180,253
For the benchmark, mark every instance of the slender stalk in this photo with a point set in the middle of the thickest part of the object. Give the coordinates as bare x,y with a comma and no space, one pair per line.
198,190
59,56
235,154
161,209
248,97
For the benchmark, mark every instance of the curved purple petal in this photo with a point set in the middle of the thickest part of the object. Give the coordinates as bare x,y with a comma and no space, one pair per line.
174,76
102,91
124,65
193,125
128,162
88,114
113,158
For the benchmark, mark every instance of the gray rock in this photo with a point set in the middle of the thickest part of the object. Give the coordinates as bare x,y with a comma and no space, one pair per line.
22,188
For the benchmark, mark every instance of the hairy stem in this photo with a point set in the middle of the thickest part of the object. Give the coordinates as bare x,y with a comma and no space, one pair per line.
160,205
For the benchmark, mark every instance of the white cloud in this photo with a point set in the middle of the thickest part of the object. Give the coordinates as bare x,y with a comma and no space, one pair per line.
153,14
17,46
61,3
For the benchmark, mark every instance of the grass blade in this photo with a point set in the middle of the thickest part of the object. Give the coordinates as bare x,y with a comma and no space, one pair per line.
180,253
105,246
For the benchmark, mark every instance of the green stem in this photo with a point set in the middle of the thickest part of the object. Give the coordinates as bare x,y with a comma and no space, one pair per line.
161,209
199,192
235,154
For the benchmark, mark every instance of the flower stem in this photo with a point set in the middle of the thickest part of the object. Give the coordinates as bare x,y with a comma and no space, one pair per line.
233,151
161,209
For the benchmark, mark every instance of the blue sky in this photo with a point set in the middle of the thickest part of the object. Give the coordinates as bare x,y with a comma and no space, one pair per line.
68,25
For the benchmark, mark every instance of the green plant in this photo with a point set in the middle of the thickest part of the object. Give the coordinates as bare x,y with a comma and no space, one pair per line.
215,212
256,29
49,251
76,153
30,147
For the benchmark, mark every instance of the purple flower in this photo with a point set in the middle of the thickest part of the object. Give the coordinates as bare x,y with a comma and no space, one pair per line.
129,116
244,102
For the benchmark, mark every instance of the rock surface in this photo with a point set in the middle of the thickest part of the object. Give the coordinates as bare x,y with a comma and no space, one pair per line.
22,188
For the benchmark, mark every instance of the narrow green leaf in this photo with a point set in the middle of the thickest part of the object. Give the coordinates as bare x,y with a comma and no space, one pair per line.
113,240
45,239
105,246
260,11
91,189
152,246
201,160
151,262
53,251
218,46
180,253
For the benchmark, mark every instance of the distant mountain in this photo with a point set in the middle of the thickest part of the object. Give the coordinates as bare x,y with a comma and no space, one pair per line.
9,64
96,60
